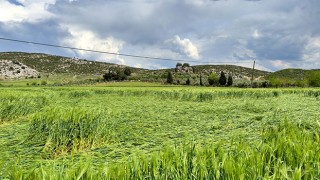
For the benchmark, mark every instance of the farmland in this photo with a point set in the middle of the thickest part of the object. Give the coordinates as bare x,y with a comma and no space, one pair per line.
165,132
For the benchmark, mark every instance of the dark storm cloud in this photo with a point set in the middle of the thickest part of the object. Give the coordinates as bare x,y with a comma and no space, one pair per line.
48,32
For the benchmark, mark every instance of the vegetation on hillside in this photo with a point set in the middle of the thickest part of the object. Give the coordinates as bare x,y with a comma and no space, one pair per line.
183,74
295,78
49,66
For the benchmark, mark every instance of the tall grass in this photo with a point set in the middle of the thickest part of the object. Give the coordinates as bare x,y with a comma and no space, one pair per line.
12,107
285,151
69,129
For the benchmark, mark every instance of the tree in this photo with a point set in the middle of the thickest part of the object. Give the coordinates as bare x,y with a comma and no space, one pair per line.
107,76
222,79
314,78
188,81
178,67
122,76
169,78
114,73
186,65
230,81
213,79
127,71
201,83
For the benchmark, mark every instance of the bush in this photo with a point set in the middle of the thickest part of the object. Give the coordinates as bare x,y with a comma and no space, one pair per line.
213,79
314,78
265,84
127,71
43,83
276,82
115,73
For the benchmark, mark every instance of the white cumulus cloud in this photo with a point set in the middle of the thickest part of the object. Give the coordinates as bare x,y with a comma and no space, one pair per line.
185,46
312,50
32,11
85,39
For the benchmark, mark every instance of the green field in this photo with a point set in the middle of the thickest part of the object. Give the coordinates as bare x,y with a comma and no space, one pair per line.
116,131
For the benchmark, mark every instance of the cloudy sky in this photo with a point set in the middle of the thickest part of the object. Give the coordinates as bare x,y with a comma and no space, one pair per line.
276,33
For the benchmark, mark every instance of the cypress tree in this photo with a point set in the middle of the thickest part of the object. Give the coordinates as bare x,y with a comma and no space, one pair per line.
169,78
188,82
222,79
230,81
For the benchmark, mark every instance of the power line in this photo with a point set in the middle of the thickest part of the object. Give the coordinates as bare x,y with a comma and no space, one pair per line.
111,53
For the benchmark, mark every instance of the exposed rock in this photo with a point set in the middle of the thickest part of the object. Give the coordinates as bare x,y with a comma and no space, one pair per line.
186,69
16,70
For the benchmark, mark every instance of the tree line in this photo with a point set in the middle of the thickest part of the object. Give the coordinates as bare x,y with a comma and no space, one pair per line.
212,79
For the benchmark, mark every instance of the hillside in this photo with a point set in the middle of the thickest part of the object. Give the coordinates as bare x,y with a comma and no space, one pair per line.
50,64
290,74
16,70
45,65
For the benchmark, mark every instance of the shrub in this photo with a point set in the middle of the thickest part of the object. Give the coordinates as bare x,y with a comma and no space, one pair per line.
43,83
276,82
127,71
265,84
302,83
314,78
115,73
213,79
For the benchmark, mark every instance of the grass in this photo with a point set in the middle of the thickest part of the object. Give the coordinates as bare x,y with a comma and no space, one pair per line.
160,133
63,130
12,107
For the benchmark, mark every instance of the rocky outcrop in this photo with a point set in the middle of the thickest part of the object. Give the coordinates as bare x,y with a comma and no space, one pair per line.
16,70
185,69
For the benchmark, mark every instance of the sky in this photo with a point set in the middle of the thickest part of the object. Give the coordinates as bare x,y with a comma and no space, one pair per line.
277,34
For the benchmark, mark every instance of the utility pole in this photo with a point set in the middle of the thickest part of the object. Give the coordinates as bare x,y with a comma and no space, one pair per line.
254,63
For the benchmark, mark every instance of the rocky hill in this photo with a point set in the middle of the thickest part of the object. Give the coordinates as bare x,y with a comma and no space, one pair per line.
17,65
16,70
50,64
